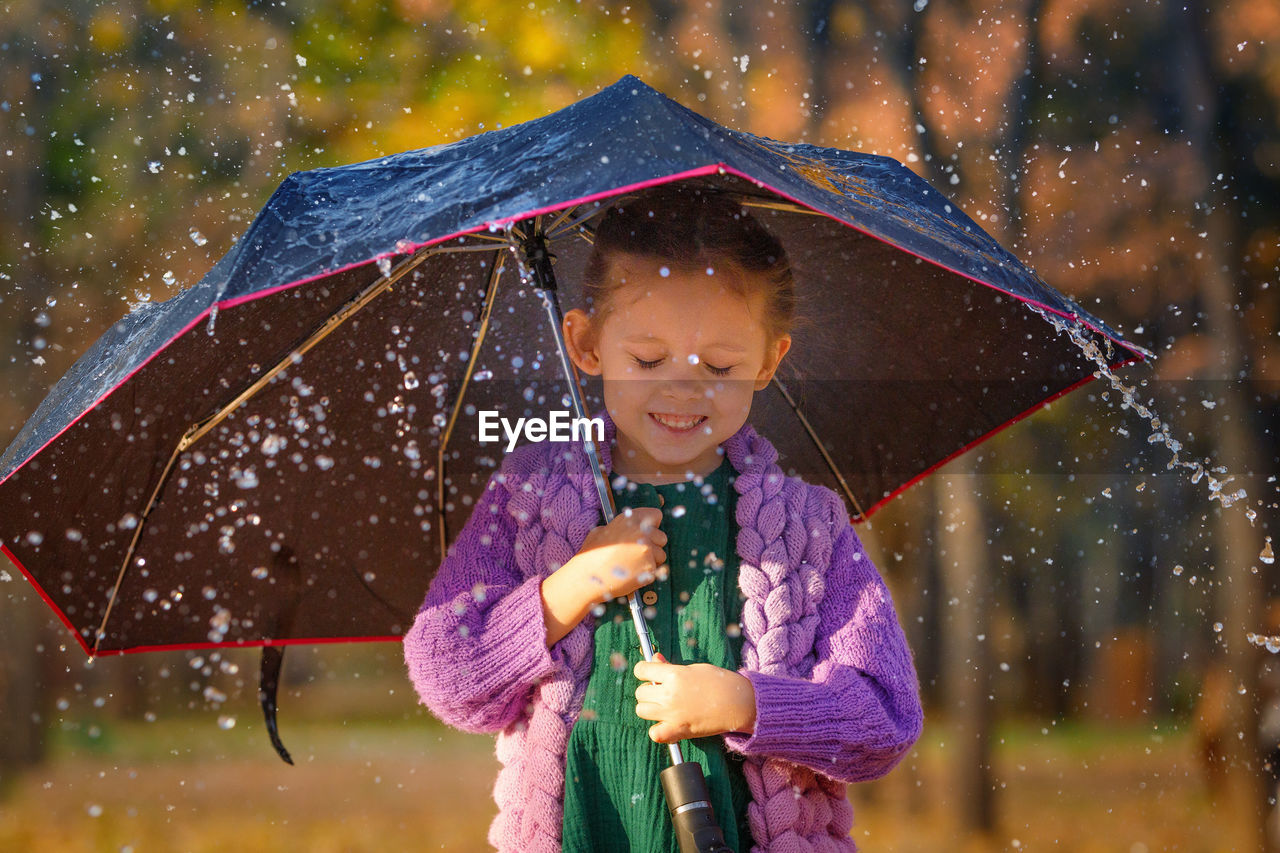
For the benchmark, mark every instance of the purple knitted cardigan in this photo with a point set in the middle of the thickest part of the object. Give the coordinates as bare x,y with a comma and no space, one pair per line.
837,699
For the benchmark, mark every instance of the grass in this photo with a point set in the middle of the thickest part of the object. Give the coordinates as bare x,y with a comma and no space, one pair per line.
402,781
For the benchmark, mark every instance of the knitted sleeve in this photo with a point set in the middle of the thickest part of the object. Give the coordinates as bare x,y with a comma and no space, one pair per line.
478,645
859,712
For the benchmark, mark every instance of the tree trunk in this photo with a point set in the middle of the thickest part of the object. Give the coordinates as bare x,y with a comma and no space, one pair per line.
1238,544
967,593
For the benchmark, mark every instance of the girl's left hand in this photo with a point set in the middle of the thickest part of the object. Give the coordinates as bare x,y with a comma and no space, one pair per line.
691,701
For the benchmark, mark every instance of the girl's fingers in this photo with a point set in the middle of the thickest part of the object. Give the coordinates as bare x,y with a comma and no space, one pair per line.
656,671
664,733
648,711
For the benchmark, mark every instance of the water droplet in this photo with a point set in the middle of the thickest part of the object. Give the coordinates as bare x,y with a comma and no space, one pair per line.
226,722
198,238
150,595
35,537
1267,555
1177,570
273,444
677,511
384,267
260,572
617,661
324,463
94,810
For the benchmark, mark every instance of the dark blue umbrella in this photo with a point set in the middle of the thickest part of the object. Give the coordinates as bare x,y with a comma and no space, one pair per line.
277,454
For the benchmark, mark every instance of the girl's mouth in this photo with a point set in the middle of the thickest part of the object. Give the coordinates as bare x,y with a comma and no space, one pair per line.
677,423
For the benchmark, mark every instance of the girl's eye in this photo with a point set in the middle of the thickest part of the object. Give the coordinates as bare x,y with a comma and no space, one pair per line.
650,365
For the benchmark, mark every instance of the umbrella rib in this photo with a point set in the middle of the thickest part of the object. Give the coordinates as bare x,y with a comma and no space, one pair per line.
197,430
576,225
490,296
785,206
818,444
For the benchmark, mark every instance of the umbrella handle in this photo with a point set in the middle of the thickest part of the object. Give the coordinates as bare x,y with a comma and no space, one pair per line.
690,806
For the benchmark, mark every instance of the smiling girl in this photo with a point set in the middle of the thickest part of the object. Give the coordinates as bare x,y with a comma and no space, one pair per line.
782,662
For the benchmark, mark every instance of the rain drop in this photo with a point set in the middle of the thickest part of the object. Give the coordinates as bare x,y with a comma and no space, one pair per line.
1267,555
226,722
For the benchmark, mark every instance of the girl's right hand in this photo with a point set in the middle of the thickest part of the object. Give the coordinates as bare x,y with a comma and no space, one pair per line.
620,557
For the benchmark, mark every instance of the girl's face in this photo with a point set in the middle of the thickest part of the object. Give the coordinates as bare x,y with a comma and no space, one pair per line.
680,356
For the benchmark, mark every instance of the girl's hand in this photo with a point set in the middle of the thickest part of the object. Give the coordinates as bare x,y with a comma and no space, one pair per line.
615,559
691,701
620,557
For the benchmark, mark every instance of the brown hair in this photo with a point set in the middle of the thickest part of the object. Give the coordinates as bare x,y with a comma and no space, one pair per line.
692,226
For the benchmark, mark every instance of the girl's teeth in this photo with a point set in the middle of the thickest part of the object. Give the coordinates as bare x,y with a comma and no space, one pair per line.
678,423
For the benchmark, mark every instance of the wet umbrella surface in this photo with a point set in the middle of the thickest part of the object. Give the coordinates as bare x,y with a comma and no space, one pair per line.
280,453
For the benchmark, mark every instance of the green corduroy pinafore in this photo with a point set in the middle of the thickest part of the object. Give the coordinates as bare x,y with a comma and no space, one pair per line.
613,798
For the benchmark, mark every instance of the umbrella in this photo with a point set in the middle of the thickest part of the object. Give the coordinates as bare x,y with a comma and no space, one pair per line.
279,453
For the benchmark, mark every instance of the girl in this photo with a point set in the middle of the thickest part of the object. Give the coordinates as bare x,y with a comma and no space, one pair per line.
782,662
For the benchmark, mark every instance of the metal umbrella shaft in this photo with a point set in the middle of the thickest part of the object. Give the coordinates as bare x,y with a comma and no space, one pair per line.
683,783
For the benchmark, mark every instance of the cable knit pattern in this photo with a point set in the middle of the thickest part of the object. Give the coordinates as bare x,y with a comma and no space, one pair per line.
836,693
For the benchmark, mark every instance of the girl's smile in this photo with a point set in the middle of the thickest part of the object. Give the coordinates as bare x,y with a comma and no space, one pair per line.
681,355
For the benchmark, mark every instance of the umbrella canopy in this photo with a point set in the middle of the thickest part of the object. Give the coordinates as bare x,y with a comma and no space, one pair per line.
279,453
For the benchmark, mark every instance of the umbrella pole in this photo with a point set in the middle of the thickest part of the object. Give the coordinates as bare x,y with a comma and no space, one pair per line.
683,783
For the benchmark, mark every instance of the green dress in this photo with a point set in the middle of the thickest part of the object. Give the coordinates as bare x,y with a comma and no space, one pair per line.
613,798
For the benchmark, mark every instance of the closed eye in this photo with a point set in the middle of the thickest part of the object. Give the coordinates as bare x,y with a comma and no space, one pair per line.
650,365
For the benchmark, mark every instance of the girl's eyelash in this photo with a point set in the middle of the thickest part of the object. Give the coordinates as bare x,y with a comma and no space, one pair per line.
650,365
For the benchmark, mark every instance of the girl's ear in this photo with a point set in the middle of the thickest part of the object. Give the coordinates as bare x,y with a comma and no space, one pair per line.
772,358
578,340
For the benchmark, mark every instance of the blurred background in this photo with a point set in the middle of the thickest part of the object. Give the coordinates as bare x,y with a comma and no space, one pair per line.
1081,616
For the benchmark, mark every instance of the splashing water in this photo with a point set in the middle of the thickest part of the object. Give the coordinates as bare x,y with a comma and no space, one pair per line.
1085,342
1081,337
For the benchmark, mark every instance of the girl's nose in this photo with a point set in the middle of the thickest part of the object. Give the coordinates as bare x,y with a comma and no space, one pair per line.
683,389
